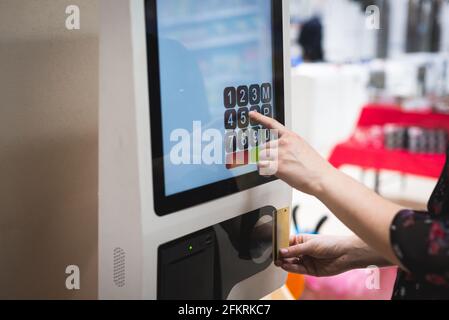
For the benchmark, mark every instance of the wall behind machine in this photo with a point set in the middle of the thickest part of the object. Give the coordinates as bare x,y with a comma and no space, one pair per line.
48,149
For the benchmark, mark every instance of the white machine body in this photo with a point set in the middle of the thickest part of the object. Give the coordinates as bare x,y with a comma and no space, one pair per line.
130,231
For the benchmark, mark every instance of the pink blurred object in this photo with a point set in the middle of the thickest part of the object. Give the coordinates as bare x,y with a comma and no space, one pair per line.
351,285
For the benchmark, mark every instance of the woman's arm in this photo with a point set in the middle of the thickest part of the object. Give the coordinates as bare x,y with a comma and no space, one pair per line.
367,214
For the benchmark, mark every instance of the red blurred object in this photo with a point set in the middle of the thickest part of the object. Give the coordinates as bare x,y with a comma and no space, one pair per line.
237,159
372,155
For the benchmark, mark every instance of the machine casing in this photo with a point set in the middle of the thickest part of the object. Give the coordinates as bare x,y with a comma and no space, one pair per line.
130,232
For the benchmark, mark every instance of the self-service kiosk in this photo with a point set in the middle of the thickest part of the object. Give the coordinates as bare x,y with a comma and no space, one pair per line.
174,221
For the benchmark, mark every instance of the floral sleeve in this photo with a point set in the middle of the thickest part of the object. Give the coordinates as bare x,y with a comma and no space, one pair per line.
421,242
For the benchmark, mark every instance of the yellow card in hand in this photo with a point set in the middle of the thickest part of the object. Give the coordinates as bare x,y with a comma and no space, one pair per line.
281,232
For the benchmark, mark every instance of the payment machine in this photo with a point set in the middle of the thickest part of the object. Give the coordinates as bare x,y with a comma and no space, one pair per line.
178,218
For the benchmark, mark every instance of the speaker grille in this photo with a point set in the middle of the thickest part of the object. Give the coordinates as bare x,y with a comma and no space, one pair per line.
119,267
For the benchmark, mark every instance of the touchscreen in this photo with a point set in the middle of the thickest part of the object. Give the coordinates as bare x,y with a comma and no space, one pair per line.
216,65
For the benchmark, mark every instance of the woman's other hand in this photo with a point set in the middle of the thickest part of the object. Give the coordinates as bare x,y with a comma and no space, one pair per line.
323,256
318,256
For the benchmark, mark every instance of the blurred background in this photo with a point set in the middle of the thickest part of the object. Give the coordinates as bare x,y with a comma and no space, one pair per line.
370,92
369,89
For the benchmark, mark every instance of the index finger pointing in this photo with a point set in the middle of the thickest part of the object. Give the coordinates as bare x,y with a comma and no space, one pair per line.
267,122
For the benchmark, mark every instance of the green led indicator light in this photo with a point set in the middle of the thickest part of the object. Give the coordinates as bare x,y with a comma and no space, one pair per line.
190,248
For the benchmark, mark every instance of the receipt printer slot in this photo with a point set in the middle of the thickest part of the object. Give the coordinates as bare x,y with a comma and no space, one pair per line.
186,268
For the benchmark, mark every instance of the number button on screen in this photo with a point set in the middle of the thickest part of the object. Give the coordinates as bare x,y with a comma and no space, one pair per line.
231,142
256,109
254,94
266,135
254,136
243,140
231,119
267,110
243,118
242,96
266,93
230,97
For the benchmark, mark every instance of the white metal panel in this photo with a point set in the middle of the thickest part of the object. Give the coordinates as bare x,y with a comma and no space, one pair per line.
127,217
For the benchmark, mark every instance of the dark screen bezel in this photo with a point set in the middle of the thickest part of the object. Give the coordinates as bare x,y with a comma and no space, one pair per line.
163,204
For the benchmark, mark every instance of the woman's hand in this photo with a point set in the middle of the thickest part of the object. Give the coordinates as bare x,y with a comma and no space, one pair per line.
317,255
291,159
323,256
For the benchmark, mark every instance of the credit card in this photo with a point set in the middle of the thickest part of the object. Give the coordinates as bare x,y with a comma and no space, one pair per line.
281,232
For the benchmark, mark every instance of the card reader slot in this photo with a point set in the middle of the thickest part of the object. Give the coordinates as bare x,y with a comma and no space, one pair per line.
187,257
210,263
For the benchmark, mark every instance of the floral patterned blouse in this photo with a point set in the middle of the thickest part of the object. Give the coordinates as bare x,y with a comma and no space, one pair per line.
421,242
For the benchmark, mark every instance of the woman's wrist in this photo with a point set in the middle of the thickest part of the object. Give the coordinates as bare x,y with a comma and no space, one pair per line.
325,178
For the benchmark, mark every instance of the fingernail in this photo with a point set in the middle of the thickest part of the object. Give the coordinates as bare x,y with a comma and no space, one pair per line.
284,251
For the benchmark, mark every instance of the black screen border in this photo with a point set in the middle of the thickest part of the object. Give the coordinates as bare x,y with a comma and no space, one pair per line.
164,205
